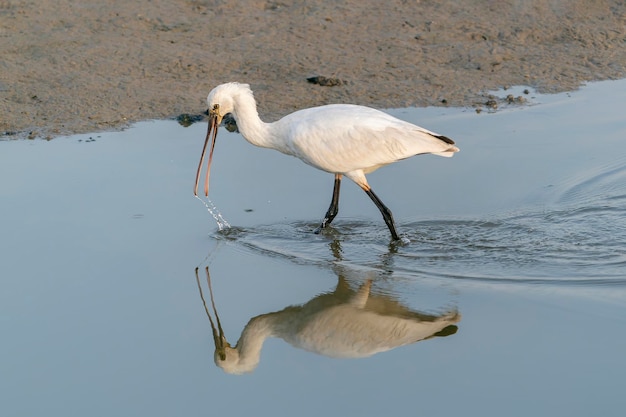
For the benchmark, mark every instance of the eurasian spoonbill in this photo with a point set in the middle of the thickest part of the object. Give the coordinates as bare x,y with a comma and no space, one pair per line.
343,323
342,139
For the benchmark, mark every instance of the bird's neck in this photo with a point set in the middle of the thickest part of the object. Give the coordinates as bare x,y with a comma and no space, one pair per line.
250,125
251,341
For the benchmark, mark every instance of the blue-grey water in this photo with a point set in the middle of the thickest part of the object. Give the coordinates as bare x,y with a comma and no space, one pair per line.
520,238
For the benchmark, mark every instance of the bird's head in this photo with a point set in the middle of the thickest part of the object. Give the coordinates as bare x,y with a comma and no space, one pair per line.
229,360
222,98
226,356
222,108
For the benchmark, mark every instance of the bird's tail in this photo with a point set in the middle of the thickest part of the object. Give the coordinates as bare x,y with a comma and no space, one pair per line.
448,152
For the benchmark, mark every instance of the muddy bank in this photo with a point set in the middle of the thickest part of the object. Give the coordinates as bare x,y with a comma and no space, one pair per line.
71,67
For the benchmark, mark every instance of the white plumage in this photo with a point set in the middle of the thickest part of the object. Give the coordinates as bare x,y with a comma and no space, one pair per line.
342,139
340,324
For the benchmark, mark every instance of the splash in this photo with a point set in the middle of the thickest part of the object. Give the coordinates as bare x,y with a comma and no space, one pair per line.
222,223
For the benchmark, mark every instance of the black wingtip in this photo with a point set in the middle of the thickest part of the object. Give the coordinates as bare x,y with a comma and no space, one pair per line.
445,139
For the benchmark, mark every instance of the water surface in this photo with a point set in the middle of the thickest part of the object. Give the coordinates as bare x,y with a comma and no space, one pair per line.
521,234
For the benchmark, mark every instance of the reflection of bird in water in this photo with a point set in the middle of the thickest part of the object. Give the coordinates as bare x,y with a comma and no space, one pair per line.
341,139
341,324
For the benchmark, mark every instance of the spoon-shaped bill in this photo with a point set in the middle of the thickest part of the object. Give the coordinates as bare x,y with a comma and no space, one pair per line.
218,334
210,135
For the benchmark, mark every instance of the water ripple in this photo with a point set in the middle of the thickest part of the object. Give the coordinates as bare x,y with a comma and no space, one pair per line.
577,239
568,246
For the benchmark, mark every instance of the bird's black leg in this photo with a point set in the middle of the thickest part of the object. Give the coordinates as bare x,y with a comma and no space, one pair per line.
333,209
385,212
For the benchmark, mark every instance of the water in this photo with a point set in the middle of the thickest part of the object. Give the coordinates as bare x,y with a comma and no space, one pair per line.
222,223
521,234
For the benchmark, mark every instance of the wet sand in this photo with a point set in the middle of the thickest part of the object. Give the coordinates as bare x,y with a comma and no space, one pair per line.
68,67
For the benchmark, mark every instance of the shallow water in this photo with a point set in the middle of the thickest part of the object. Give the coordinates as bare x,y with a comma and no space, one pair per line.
521,233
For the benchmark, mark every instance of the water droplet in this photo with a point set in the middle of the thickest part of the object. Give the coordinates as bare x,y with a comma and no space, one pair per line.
222,223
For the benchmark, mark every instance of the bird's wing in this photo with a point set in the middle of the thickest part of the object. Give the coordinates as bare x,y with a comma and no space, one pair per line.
344,138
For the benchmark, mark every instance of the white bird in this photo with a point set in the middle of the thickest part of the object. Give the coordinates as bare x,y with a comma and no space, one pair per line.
339,324
342,139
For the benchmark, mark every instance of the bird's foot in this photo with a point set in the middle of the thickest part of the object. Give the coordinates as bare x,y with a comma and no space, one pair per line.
319,229
404,240
400,241
323,225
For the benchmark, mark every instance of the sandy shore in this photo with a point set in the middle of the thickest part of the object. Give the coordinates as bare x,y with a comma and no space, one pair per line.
85,66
